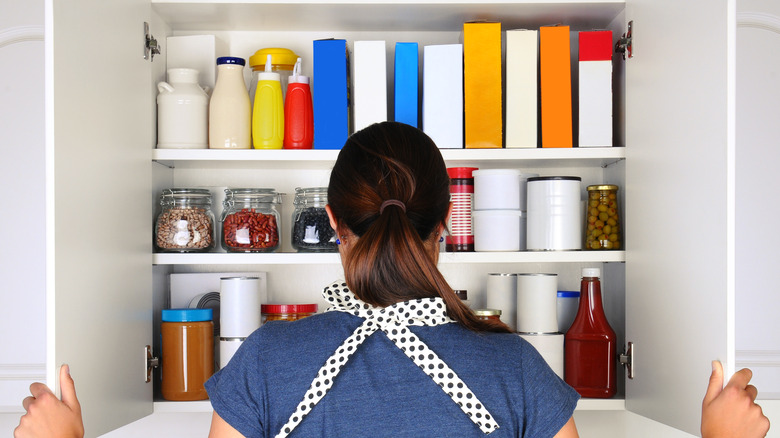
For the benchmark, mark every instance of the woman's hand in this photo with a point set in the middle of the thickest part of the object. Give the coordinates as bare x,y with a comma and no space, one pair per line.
732,411
48,416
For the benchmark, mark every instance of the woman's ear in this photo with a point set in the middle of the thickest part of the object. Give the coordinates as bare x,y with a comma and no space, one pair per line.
332,219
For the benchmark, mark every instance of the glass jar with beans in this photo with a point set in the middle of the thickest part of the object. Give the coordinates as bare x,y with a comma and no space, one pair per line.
250,220
311,230
602,219
185,223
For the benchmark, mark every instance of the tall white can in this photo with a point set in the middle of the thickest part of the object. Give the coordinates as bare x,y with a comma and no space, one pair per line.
502,295
554,213
537,303
239,313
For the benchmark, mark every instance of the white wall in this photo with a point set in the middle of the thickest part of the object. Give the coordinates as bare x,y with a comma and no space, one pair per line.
22,224
758,193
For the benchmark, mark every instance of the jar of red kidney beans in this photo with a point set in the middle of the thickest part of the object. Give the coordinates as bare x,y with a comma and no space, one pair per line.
250,220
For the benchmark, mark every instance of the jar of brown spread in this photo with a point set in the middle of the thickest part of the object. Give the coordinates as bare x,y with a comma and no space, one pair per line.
187,353
287,312
488,314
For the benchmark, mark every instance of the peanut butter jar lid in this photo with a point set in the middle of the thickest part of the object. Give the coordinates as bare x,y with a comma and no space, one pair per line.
187,315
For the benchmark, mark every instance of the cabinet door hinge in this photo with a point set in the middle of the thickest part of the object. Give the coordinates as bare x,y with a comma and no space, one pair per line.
150,363
627,360
623,45
151,47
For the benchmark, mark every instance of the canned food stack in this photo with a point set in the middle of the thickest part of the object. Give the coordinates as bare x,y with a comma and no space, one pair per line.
537,316
239,313
499,210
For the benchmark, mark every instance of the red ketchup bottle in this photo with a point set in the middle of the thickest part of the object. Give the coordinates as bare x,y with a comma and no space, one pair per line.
590,344
298,112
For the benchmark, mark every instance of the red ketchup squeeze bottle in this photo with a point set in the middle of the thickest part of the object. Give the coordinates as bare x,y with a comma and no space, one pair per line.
590,343
298,112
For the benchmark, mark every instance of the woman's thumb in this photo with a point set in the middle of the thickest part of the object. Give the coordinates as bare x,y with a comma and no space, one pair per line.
68,389
716,382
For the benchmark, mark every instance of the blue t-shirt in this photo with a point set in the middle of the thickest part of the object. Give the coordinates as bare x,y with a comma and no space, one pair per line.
380,392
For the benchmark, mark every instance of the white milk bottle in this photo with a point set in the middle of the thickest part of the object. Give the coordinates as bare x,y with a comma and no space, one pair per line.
230,111
182,111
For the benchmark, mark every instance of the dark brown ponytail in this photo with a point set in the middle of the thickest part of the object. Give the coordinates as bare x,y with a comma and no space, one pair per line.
391,260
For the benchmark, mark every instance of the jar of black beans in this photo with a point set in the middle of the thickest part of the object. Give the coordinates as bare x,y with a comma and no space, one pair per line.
311,230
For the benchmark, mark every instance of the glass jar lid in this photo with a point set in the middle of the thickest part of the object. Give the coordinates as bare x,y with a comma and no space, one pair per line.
311,195
603,187
487,312
182,196
264,195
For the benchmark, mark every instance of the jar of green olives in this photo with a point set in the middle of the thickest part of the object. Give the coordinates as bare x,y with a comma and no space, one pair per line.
603,229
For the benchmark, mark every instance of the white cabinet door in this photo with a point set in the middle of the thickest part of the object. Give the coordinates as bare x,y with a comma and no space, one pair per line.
679,203
98,251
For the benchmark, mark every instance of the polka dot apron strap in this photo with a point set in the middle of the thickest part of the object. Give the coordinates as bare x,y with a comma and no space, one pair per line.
393,321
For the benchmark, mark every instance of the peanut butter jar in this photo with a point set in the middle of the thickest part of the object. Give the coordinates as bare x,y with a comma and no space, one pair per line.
187,353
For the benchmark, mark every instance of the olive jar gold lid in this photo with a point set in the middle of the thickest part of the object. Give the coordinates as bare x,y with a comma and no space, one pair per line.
602,187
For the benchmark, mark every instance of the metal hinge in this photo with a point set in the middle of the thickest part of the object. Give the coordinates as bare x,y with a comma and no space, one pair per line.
623,45
150,363
150,44
627,360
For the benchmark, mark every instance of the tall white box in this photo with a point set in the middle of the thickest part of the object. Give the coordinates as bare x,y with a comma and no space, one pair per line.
595,88
195,51
443,94
522,88
369,83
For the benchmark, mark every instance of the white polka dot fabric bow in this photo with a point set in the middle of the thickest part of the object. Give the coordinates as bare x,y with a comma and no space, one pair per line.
393,321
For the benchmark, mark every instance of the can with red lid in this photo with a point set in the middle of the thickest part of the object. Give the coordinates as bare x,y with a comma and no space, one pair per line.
461,232
287,312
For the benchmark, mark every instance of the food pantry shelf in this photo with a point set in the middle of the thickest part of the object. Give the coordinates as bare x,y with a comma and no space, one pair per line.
333,258
323,159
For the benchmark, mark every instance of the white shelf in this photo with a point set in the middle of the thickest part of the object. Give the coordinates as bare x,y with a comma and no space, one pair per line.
372,15
323,159
585,404
333,258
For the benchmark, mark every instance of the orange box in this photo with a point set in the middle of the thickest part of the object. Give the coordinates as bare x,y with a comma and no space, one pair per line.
482,85
555,86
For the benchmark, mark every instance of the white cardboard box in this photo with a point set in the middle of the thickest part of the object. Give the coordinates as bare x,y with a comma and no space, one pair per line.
195,51
595,85
369,83
443,94
522,89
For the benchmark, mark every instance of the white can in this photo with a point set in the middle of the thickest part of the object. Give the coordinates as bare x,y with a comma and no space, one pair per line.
239,313
497,189
502,294
498,230
537,310
550,347
554,213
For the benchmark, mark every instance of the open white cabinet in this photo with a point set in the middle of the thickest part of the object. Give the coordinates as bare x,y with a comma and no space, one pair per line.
671,292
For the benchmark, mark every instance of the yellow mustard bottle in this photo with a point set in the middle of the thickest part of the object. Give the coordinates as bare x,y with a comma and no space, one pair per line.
268,113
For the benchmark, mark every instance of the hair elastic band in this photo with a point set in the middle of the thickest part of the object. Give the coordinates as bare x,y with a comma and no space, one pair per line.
392,202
